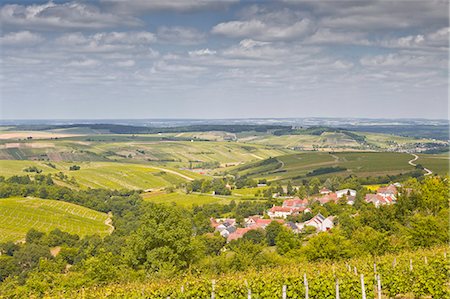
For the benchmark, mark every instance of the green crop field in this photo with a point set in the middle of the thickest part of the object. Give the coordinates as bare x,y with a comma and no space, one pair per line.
187,200
358,163
111,175
18,215
143,148
247,192
439,164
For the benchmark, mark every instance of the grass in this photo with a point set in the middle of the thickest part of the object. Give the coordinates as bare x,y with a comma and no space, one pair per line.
110,175
439,164
358,163
18,215
247,192
142,148
187,200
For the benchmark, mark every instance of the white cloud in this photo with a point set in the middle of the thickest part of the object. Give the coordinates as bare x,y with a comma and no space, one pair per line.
126,63
402,61
436,39
107,42
21,38
327,36
63,16
180,35
259,30
139,6
202,52
84,63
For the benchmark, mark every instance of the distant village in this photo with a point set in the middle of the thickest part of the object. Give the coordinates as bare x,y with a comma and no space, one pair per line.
294,206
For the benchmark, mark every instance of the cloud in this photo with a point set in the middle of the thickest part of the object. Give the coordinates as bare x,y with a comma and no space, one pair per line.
379,14
71,15
140,6
259,30
21,38
103,42
403,60
126,63
180,35
435,39
202,52
328,36
84,63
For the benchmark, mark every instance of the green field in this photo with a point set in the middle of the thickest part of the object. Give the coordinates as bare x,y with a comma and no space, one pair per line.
358,163
439,164
18,215
187,200
111,175
142,148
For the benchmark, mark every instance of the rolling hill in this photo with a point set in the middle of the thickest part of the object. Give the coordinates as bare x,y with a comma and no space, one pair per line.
18,215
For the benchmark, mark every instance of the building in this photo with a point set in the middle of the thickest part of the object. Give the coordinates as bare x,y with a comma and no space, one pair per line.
320,222
389,191
327,198
346,192
295,203
379,200
325,191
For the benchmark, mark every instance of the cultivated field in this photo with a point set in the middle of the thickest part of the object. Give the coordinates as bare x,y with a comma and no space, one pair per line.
187,200
18,215
110,175
439,164
358,163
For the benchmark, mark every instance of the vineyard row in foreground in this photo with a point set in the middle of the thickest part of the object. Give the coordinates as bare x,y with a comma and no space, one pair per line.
419,274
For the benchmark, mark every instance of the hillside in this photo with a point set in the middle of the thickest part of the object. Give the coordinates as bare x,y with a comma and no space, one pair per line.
362,164
18,215
110,175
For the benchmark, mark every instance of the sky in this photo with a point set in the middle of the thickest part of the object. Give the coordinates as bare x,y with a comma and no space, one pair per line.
107,59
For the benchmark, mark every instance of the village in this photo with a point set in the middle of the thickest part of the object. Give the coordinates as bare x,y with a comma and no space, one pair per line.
230,229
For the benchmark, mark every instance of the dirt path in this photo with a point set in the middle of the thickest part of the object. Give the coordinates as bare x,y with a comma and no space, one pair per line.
174,172
411,162
108,222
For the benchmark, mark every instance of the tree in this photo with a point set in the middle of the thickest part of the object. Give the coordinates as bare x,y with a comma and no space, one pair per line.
29,255
272,231
286,241
327,246
366,240
289,189
163,241
257,236
34,236
427,230
314,185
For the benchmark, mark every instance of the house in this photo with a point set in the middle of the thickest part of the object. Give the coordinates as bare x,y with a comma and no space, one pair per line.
389,191
379,200
327,198
295,203
239,233
321,223
346,192
351,200
325,191
283,212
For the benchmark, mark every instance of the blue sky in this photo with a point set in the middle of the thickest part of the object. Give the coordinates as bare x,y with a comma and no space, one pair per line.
223,59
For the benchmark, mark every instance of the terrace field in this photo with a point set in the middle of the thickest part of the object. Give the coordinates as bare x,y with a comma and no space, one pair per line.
142,148
439,164
110,175
187,200
295,166
18,215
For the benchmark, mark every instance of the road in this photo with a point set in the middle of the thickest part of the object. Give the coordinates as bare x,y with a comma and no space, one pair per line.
174,172
411,162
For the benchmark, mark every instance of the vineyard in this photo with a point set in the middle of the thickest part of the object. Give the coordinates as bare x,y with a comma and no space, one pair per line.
419,274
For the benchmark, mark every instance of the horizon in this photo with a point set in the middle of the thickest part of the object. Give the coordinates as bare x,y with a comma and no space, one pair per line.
224,59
